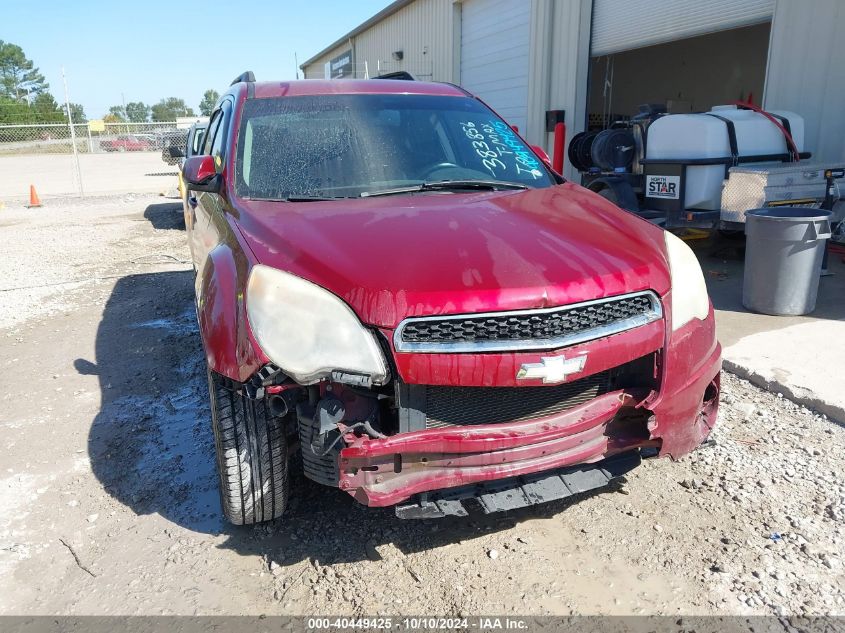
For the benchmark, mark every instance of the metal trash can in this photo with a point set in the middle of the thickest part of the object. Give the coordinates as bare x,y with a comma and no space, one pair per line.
783,256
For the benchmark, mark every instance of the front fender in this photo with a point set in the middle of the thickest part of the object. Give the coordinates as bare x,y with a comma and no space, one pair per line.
687,405
221,312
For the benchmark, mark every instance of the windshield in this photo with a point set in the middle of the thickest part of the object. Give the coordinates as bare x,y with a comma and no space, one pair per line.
341,146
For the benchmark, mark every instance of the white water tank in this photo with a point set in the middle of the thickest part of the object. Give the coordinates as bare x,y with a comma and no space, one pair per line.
696,136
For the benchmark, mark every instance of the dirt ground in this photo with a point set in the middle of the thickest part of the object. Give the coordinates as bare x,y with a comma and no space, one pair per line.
108,498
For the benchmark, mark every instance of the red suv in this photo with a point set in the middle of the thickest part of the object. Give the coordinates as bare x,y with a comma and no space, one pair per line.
393,285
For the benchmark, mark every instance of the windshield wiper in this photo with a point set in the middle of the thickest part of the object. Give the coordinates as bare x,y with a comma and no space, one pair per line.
297,198
300,198
473,184
448,185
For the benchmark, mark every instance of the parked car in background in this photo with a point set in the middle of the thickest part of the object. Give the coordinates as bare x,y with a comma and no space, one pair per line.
146,136
196,137
390,281
170,136
174,154
126,143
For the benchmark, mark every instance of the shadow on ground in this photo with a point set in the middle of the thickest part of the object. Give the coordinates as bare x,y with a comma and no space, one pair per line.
723,262
166,215
151,445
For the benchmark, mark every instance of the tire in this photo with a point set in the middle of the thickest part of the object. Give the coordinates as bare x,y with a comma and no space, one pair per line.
251,456
609,194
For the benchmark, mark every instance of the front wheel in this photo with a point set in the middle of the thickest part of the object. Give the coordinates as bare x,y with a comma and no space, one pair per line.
251,456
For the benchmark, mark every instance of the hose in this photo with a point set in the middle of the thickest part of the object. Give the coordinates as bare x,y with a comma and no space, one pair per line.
793,149
331,446
364,425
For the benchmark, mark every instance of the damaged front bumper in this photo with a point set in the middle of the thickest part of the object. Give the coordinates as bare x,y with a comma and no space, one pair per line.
672,421
387,471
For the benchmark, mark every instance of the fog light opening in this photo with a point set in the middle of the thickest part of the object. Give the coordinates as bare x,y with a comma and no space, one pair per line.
710,405
711,393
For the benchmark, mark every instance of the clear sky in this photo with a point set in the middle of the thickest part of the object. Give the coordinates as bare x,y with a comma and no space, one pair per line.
149,50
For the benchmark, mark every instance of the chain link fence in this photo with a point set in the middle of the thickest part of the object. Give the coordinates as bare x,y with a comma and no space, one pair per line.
110,158
56,138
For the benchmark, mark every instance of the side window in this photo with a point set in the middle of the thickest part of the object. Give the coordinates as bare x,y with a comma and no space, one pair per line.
212,129
199,135
218,145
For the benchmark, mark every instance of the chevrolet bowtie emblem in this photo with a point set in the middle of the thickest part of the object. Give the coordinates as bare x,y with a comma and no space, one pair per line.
552,369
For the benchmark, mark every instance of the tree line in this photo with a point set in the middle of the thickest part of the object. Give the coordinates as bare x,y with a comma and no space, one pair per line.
25,98
165,110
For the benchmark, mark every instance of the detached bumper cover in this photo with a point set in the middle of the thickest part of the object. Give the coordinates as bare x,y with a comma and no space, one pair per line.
383,472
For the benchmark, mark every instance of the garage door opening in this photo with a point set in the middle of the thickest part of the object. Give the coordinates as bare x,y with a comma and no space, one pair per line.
690,75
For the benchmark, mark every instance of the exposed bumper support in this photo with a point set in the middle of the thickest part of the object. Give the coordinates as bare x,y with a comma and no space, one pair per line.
519,492
385,472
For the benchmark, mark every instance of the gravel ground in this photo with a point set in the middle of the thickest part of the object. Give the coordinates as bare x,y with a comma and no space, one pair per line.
108,498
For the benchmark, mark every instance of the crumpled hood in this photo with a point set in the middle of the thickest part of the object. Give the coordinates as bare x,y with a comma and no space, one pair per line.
397,256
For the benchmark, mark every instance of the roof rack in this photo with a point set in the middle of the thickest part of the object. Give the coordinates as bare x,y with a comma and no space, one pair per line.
247,76
403,75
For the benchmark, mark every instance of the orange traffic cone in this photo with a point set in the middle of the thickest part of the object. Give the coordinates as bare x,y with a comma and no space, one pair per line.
34,200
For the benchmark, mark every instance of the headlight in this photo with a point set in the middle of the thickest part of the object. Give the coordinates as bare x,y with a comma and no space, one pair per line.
689,292
307,331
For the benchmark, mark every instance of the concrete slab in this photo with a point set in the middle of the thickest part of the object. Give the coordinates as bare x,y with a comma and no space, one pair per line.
54,174
800,357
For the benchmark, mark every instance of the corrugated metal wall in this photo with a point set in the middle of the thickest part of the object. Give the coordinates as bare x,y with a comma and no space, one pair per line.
422,31
806,71
558,68
316,69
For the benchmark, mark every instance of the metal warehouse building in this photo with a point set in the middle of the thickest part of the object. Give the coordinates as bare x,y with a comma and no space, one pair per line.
598,60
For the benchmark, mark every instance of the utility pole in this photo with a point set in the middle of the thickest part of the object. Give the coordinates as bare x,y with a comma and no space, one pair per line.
125,114
72,135
296,61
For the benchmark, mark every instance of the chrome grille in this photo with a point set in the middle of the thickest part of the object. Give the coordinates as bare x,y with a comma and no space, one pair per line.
547,328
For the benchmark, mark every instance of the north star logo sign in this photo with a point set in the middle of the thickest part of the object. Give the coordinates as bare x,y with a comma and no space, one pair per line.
552,369
663,187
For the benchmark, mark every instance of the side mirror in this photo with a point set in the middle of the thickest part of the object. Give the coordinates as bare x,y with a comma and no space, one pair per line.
199,174
543,156
176,151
